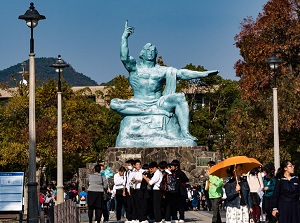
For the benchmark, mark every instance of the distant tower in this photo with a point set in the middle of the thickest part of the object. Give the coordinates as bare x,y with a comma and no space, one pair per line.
23,82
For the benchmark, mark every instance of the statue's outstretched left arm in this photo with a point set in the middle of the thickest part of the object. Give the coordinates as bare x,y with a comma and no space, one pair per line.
185,74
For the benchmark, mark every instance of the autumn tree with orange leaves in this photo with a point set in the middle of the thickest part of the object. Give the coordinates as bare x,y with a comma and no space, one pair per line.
250,129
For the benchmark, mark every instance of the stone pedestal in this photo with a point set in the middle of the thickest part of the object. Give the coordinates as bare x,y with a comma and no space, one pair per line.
193,159
151,130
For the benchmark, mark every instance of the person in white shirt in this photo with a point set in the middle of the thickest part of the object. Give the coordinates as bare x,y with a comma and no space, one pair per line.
256,185
157,193
139,201
118,188
138,171
128,190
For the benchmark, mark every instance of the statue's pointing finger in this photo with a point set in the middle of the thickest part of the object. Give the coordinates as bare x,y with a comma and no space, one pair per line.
129,29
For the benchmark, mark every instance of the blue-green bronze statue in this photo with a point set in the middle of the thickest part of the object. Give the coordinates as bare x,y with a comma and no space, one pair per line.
154,116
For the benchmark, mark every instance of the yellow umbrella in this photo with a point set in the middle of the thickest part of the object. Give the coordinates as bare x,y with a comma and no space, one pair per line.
221,168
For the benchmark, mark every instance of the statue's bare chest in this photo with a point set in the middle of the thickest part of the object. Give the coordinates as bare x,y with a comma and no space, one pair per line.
149,74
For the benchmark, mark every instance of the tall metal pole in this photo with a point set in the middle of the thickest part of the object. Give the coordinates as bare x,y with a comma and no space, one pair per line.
32,184
60,186
32,17
274,61
276,129
59,66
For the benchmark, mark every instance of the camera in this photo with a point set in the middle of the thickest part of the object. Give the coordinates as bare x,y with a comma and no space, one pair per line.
147,174
277,215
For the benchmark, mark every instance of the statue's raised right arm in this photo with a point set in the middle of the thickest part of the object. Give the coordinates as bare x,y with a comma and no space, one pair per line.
128,61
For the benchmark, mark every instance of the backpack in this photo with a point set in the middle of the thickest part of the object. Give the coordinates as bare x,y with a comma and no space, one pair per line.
163,183
195,194
71,195
42,198
169,182
67,196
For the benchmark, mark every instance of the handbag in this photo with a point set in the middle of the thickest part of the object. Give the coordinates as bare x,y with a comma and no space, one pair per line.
251,220
255,198
105,194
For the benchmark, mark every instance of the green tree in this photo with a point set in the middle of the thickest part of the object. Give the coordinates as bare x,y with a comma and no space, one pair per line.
88,129
210,99
160,61
120,89
209,123
13,119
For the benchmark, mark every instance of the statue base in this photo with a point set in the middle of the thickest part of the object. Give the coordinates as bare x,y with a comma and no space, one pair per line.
151,130
193,159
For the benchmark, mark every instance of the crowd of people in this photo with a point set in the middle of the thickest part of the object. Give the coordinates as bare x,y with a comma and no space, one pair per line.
259,195
153,191
160,192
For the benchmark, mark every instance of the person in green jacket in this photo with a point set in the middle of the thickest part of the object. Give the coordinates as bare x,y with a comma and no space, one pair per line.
215,193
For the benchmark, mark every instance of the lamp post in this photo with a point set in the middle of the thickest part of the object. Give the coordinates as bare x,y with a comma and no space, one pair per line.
32,17
274,61
59,65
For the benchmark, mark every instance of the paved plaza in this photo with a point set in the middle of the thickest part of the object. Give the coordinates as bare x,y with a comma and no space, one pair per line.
190,216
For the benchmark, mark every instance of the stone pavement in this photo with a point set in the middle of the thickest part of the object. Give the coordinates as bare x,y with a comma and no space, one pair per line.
190,216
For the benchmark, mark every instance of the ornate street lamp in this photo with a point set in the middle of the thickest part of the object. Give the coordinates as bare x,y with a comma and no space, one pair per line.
274,61
32,17
59,65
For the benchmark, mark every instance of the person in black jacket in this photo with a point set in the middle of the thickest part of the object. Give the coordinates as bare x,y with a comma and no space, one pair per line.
238,196
181,185
147,208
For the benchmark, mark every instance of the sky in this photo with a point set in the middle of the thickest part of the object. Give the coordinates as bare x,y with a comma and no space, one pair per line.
87,33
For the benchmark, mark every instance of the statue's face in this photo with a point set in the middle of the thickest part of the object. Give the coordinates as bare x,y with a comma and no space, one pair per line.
150,53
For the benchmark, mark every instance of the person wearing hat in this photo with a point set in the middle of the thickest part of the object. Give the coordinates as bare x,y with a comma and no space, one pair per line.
182,192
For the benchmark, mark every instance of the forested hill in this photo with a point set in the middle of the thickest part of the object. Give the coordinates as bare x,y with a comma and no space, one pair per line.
44,72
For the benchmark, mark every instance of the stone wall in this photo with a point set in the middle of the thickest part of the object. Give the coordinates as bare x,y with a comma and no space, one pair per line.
193,159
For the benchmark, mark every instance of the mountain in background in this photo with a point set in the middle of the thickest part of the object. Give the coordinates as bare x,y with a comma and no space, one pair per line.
44,72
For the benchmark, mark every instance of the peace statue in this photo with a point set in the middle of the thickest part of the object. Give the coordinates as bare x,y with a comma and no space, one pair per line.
154,116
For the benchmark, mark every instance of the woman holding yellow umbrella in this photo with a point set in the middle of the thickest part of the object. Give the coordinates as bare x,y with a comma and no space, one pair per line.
238,196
